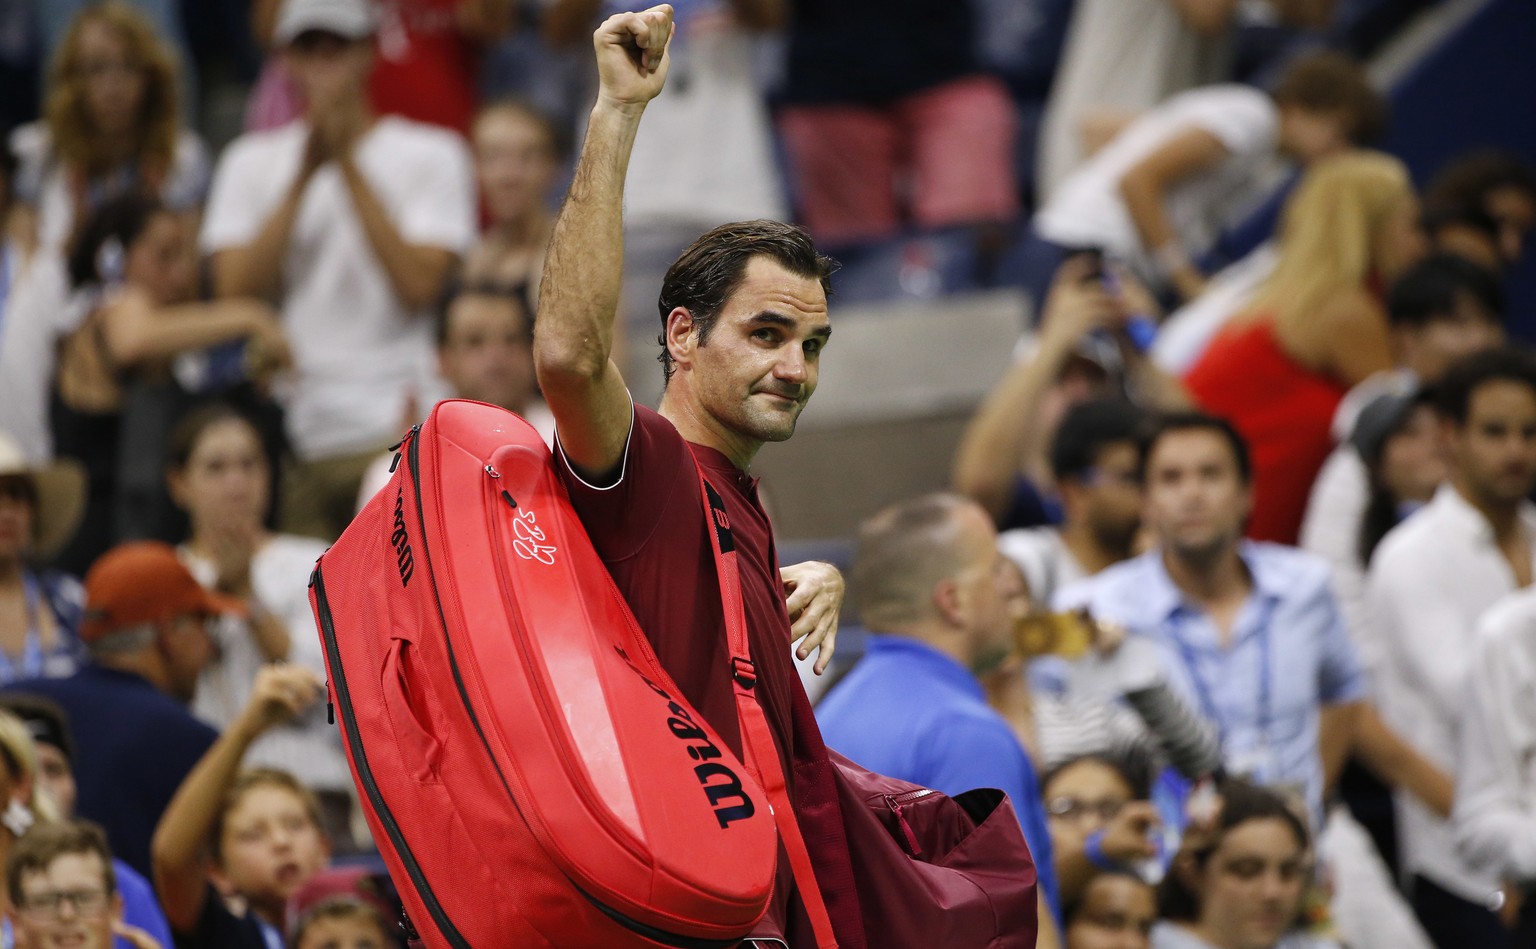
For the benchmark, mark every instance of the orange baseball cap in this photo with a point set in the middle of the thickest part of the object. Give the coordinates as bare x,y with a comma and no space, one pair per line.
142,582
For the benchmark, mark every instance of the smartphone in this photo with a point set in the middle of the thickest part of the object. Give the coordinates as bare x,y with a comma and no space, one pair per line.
1068,635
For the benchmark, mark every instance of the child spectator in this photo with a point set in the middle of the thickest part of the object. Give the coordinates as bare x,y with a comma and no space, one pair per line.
342,908
1100,819
133,280
1116,911
1315,328
63,892
112,127
354,223
517,159
219,475
39,609
257,834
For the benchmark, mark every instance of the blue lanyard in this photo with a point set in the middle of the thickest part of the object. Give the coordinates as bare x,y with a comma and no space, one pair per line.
1203,688
6,260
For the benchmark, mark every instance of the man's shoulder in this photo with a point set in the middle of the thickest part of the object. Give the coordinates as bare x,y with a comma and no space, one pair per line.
96,697
1415,543
252,150
1118,584
1291,571
1509,625
401,137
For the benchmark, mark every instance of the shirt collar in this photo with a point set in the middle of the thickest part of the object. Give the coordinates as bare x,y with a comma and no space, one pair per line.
1451,505
935,663
1164,598
717,463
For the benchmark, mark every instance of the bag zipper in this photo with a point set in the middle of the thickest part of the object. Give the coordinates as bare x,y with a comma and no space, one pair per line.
365,772
895,803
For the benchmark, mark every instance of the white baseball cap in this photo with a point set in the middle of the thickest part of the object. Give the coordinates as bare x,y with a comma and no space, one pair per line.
349,19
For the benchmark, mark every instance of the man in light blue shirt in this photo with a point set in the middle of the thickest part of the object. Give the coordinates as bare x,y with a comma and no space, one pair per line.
936,594
1248,632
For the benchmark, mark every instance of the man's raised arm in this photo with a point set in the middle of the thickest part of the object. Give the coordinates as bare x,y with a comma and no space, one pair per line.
578,298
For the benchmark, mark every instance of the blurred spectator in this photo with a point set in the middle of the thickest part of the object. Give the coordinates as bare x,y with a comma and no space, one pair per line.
1430,581
60,881
1116,911
934,592
25,803
1397,437
485,351
1441,311
55,751
1094,462
518,153
1122,57
1101,820
132,278
1158,195
1482,207
146,631
1241,883
1496,786
257,833
1248,632
39,608
218,474
1314,328
428,60
1086,348
112,127
883,99
354,223
343,908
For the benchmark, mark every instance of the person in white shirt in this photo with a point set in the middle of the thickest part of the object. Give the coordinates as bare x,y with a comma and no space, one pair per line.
1443,310
1429,582
355,223
218,473
1159,193
1495,815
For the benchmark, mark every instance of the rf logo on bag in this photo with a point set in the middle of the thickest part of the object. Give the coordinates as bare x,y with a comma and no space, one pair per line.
530,539
401,541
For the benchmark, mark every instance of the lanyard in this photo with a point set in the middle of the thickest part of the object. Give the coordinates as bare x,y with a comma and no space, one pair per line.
6,260
1203,688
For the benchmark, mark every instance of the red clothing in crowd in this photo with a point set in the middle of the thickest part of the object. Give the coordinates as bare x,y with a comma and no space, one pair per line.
1285,411
424,68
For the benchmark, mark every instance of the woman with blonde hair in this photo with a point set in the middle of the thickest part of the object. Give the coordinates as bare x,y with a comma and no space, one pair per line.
1313,329
111,126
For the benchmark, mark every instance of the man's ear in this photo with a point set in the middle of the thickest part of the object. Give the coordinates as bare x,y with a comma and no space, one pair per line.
946,600
680,336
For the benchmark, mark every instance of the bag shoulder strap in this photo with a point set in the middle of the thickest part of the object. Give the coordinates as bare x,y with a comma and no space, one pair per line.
762,755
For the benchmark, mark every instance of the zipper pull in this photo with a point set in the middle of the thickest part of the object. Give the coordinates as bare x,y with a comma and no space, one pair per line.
415,430
914,849
330,704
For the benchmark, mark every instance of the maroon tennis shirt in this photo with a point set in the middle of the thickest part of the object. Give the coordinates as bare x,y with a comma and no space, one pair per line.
649,527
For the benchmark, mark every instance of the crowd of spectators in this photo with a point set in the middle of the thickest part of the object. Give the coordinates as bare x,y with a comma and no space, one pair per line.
1231,591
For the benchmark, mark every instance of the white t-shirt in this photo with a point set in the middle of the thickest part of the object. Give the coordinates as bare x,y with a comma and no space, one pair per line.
33,314
359,352
309,748
1125,55
42,182
704,154
1088,210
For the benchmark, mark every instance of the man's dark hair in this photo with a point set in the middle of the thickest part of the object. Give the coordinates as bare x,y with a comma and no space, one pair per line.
1464,184
1241,802
47,842
1453,394
712,268
45,719
116,224
1428,291
514,293
1197,422
1088,429
1332,82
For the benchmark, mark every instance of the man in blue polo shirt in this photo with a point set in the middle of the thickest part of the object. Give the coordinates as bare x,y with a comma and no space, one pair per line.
936,593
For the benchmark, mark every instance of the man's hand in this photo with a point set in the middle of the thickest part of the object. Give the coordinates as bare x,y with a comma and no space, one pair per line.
232,545
814,597
281,693
1128,835
1077,304
135,936
632,58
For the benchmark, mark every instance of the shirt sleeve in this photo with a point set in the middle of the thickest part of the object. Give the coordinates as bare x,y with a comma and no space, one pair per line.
440,211
235,210
1341,677
1421,631
1495,811
1244,120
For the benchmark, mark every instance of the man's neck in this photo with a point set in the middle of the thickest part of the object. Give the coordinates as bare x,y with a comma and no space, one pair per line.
141,666
1502,516
702,429
1088,549
10,572
1217,579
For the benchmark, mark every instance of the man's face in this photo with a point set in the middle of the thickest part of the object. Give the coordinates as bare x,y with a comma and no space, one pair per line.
1429,350
756,370
17,516
987,589
515,163
57,778
1195,498
329,70
1110,493
486,354
189,647
1494,453
1515,211
67,905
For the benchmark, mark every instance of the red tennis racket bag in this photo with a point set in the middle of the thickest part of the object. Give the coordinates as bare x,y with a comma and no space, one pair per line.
531,775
